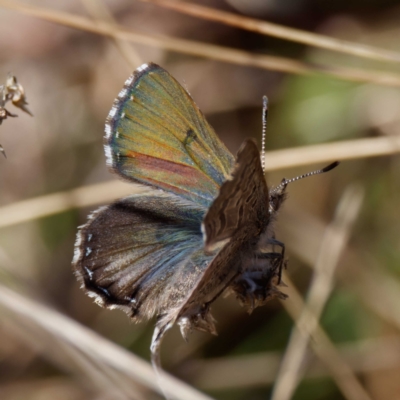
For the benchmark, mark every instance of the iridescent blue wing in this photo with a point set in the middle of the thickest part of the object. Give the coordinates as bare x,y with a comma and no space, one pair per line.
157,136
142,254
145,254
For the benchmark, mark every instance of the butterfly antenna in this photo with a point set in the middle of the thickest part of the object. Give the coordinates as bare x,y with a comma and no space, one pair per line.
285,181
264,130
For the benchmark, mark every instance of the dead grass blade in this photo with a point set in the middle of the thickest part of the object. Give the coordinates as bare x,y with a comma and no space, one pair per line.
260,369
279,31
54,203
368,283
214,52
322,153
102,352
333,243
39,207
371,285
340,371
100,12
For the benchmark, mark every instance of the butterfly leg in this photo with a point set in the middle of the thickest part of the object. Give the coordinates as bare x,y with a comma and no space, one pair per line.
199,318
277,262
282,262
257,283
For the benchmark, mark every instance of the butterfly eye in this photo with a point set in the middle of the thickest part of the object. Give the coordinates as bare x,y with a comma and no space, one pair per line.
277,196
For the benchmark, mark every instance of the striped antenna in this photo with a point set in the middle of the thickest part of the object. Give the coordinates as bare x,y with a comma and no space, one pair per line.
285,181
264,129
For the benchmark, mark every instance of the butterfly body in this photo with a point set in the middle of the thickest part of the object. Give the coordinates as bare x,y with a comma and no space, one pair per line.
202,226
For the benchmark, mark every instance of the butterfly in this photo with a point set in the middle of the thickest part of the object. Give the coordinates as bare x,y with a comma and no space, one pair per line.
201,225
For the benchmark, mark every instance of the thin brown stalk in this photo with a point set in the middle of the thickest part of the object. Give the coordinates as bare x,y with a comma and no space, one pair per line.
279,31
340,371
332,246
199,49
91,344
100,12
43,206
259,369
89,370
368,284
100,373
54,203
343,150
372,285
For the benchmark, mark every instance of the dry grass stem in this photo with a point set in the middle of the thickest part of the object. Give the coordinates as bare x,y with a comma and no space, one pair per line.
90,371
372,285
39,207
236,372
354,274
91,344
42,206
340,371
279,31
214,52
260,369
321,153
332,245
100,12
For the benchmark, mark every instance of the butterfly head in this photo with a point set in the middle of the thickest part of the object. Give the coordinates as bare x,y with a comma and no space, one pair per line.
278,194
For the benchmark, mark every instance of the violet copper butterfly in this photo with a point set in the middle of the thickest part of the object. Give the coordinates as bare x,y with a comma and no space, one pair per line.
203,226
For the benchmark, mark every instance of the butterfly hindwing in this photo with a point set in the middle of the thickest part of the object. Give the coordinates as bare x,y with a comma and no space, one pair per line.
141,254
156,135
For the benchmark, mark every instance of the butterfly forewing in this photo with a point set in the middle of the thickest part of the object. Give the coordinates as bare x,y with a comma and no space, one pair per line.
242,201
234,223
156,135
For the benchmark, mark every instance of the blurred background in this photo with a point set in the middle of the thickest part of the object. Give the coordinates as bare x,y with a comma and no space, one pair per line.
341,229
